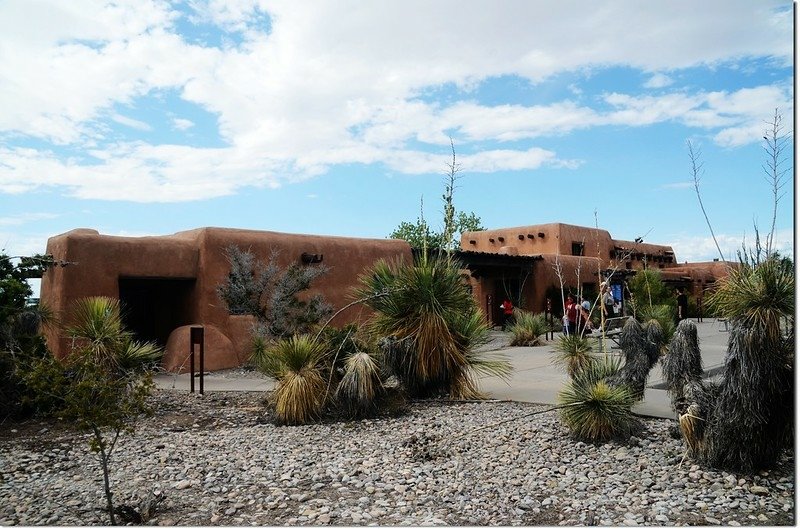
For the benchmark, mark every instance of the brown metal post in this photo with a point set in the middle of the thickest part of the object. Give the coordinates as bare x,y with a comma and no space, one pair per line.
191,363
196,338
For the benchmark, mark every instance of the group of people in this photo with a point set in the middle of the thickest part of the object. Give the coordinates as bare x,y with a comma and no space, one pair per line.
577,315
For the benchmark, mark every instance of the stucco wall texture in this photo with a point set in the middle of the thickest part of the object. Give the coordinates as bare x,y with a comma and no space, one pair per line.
197,259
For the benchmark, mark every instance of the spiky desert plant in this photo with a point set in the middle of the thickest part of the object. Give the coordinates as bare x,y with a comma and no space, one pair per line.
422,321
574,353
361,385
298,365
682,364
471,332
96,324
639,357
755,408
528,328
594,410
655,343
134,354
748,417
664,315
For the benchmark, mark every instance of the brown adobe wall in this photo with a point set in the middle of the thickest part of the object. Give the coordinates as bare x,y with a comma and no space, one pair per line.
546,276
557,238
199,255
98,263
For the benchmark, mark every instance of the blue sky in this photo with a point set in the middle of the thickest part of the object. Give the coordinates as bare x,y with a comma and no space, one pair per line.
147,117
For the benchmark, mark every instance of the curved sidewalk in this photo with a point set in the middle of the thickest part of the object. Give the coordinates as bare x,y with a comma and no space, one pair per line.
534,379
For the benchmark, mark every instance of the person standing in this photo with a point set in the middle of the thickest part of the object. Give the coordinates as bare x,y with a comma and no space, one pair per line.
683,304
508,312
608,301
571,313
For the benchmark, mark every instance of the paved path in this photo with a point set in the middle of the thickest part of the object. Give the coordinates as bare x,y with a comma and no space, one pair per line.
534,379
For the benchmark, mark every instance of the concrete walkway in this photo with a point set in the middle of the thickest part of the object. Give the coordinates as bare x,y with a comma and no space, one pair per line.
534,379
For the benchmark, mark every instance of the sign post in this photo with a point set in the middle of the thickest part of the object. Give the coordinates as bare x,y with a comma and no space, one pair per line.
196,338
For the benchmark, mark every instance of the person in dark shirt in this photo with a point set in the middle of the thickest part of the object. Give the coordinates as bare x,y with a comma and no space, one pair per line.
683,305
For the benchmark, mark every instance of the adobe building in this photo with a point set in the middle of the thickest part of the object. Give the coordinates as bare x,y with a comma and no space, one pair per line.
585,257
169,283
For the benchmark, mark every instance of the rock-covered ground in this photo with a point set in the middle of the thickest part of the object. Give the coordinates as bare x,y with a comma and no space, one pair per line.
217,460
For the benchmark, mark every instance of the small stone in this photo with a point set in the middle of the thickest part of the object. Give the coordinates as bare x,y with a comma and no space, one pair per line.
759,490
713,521
185,484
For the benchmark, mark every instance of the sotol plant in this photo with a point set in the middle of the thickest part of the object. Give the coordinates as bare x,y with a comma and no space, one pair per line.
430,326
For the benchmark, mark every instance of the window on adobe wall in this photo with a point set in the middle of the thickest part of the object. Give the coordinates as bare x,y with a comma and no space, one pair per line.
577,248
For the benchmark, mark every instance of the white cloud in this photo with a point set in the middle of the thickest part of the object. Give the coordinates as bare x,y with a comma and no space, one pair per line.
25,218
702,248
182,124
130,122
658,80
308,93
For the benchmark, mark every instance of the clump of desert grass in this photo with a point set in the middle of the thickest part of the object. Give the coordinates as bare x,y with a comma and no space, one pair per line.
528,328
298,365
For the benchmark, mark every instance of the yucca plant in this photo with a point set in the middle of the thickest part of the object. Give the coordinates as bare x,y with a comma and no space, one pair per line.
664,315
96,323
298,365
528,328
574,353
429,322
471,332
594,410
640,346
753,414
135,355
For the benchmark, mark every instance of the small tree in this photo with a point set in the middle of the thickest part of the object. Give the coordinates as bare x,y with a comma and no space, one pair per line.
270,293
98,388
420,235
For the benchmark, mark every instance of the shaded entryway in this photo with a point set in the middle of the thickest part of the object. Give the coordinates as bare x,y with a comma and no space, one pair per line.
153,307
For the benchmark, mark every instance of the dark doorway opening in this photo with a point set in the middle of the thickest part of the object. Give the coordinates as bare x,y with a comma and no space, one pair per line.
153,307
505,288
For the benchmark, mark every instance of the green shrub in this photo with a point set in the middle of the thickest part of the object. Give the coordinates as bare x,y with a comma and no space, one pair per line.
592,409
528,328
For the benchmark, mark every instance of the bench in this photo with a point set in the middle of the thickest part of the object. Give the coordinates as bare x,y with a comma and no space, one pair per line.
612,329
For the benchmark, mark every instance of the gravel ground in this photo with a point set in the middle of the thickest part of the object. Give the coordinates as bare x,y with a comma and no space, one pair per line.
217,460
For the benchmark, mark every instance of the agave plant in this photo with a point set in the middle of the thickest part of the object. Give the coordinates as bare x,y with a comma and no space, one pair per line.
298,364
528,328
574,352
430,324
594,410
